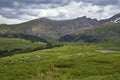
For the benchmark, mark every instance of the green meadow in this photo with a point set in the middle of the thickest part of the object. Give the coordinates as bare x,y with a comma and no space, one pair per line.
72,61
74,57
11,43
10,46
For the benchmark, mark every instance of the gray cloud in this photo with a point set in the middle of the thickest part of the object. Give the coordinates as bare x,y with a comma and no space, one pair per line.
101,2
24,3
24,10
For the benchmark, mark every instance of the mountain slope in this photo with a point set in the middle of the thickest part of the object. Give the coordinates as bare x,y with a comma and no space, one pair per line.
54,29
11,46
113,19
104,33
47,28
31,38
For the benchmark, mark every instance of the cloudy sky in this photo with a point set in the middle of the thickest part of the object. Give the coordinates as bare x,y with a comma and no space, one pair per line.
17,11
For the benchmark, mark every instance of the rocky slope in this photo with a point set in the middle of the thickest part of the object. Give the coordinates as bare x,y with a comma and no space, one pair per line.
105,33
54,29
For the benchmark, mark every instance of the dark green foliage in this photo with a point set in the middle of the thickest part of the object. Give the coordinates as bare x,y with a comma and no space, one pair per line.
105,33
23,36
10,46
84,37
68,38
64,65
87,38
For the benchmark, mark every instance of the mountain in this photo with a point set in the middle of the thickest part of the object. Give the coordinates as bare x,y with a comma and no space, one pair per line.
113,19
54,29
104,33
50,29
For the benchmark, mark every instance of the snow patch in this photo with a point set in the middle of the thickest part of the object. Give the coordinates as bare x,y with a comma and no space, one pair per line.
117,20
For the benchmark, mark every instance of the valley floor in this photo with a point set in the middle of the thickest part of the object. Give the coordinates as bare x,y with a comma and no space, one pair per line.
75,61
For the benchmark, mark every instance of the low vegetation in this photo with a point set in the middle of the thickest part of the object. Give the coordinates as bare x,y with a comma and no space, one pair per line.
76,59
106,33
31,38
10,46
73,61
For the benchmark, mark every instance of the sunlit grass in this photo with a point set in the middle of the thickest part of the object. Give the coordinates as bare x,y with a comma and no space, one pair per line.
76,61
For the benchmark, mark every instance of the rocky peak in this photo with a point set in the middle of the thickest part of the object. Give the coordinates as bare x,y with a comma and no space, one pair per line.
113,19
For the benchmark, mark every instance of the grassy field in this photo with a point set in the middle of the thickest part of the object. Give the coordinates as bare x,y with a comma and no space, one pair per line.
73,61
15,45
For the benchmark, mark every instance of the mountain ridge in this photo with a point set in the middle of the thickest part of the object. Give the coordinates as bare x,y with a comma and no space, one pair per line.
54,29
105,33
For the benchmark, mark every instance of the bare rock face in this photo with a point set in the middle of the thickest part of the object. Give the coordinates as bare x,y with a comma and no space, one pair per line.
113,19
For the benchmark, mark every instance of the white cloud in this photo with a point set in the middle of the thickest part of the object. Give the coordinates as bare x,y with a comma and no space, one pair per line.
4,20
6,9
72,10
110,10
26,17
75,9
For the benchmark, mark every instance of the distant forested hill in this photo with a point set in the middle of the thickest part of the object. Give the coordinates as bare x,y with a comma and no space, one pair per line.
104,33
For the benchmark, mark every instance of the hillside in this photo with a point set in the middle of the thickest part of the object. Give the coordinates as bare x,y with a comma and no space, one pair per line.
54,29
49,29
104,33
31,38
10,46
